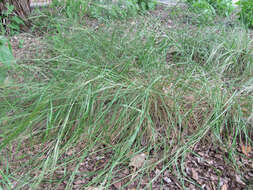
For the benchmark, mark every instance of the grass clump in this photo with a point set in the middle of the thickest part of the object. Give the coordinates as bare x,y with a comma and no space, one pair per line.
107,94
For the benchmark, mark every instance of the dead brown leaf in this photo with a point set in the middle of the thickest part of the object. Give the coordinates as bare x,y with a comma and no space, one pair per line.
167,180
189,98
138,160
239,180
118,185
246,150
224,187
93,188
195,175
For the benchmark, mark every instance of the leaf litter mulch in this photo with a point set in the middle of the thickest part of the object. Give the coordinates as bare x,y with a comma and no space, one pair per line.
207,167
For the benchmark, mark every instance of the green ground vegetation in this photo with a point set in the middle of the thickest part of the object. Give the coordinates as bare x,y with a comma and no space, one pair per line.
130,85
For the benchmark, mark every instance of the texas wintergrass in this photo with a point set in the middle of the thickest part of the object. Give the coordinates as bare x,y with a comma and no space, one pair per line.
130,89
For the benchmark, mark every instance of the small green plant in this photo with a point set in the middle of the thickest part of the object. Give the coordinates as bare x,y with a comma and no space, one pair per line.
222,7
210,7
246,13
12,22
145,4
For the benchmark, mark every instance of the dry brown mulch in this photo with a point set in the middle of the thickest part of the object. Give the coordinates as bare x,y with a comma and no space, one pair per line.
208,168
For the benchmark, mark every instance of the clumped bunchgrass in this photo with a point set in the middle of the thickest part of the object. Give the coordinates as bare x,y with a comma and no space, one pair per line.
122,89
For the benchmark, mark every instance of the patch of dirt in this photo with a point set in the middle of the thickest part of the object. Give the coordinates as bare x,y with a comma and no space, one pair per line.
163,14
26,46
